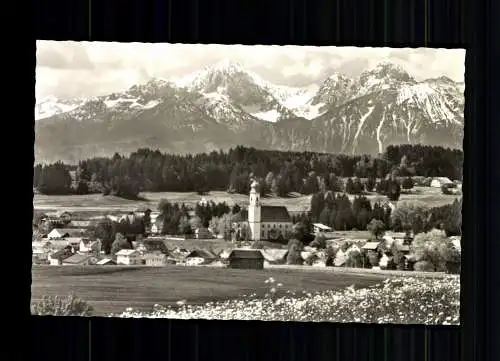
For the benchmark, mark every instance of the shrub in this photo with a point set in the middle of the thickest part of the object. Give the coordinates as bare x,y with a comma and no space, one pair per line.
408,183
424,266
61,306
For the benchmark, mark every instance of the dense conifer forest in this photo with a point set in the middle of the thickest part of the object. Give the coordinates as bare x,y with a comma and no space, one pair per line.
280,173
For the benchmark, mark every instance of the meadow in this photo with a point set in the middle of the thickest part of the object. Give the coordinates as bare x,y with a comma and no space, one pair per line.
113,289
295,202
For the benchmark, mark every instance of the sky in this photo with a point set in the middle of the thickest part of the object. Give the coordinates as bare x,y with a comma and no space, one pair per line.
69,69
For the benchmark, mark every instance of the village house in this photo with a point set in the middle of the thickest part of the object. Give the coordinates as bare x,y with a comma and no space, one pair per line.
153,252
106,262
56,258
246,259
438,182
200,257
340,259
73,242
77,260
128,257
262,222
40,252
58,233
371,246
155,259
87,245
319,227
384,261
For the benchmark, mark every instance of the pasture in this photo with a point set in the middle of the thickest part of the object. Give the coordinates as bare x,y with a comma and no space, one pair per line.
95,203
112,289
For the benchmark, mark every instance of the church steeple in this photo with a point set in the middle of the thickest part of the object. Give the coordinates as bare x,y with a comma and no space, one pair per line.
254,194
254,212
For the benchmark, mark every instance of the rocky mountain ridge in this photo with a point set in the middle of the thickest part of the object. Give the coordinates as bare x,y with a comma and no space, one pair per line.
225,105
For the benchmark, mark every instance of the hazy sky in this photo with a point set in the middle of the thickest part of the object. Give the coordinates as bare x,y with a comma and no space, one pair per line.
73,69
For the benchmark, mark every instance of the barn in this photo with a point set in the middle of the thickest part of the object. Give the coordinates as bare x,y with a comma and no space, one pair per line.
246,259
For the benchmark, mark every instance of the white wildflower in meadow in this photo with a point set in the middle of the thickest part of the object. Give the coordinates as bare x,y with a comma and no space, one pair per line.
396,300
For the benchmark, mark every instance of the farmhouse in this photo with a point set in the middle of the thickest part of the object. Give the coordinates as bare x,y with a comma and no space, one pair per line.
438,182
246,259
58,233
56,258
128,257
262,222
77,260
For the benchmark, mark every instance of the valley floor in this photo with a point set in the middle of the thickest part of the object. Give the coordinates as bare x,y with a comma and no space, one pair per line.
296,203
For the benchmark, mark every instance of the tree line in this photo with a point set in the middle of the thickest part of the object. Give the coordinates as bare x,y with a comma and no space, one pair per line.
280,172
340,213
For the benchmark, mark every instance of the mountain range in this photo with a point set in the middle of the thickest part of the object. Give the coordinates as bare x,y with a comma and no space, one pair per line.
225,105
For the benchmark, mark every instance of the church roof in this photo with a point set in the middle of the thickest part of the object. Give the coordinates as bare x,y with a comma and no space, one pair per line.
267,214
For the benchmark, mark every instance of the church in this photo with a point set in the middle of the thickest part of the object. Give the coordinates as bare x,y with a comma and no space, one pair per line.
260,222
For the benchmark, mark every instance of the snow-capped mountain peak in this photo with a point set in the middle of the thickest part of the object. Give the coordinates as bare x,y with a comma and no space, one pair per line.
225,104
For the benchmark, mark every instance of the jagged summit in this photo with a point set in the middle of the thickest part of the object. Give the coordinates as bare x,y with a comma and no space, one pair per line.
226,65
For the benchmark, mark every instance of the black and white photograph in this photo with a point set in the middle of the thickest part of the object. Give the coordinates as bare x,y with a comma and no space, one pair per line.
248,182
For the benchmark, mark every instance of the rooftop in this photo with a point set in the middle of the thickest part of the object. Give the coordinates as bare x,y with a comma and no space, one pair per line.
201,253
267,214
77,259
246,254
126,252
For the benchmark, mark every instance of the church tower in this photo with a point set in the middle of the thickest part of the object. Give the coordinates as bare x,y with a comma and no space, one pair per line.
254,208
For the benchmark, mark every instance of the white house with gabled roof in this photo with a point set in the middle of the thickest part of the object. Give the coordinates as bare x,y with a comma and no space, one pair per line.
128,257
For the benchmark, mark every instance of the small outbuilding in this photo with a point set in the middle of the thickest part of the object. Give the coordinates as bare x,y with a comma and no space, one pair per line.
246,259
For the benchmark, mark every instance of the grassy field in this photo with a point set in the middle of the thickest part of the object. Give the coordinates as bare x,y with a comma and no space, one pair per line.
113,289
299,203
